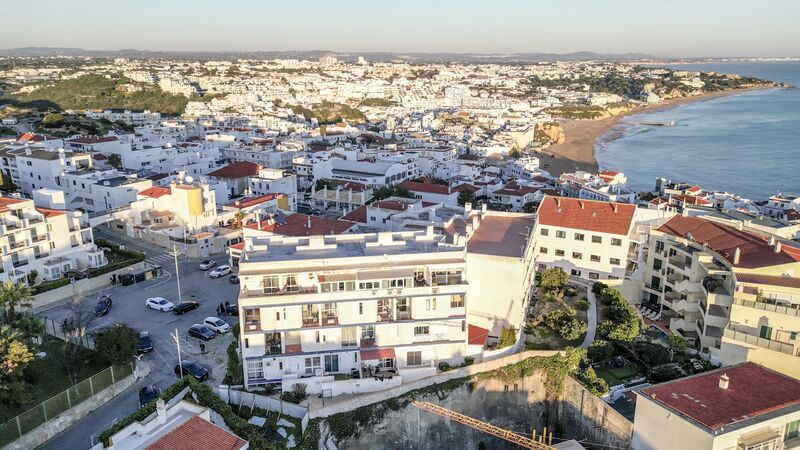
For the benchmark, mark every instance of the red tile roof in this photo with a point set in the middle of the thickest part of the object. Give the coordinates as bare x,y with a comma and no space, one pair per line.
48,213
476,335
239,169
430,188
250,201
5,201
691,199
197,434
237,246
99,157
395,205
32,137
92,140
754,249
379,353
770,280
297,225
358,215
155,192
466,187
589,215
355,187
753,391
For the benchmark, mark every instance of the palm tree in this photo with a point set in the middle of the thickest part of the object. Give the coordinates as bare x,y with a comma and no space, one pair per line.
12,297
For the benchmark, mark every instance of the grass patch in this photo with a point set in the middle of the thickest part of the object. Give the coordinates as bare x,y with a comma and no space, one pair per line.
618,375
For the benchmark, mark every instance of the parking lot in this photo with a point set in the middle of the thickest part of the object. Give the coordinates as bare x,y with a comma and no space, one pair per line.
129,308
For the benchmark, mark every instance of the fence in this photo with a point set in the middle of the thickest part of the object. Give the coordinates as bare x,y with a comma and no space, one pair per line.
52,407
237,397
54,328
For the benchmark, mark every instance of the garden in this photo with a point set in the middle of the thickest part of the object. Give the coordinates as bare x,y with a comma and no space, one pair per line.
558,313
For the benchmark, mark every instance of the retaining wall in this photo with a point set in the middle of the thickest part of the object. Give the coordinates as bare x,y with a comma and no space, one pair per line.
86,286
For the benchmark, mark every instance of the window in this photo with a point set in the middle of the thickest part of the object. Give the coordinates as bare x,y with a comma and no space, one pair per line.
349,337
765,332
277,315
368,332
271,284
792,430
575,272
614,261
338,286
430,304
414,358
252,319
312,364
360,308
594,276
579,236
561,234
457,301
657,264
597,239
543,250
594,258
545,232
576,255
367,285
616,242
559,252
291,283
331,363
255,370
613,277
401,282
659,246
272,343
422,331
446,277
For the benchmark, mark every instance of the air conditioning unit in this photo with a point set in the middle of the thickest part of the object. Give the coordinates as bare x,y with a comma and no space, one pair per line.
399,291
435,290
389,291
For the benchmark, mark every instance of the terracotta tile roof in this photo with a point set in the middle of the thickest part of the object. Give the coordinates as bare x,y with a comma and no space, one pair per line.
430,188
753,391
297,225
476,335
48,213
355,187
239,169
99,157
155,192
358,215
466,187
198,434
32,137
250,201
237,246
754,249
770,280
293,348
378,353
691,199
589,215
5,201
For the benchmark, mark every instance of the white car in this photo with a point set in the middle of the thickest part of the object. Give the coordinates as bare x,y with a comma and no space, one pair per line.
207,264
159,304
220,271
217,324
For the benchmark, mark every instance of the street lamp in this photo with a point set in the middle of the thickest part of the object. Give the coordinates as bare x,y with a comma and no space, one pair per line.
177,339
175,254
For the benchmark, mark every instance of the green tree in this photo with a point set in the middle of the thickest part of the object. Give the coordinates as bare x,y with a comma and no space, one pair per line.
508,337
530,207
14,354
601,350
677,343
466,196
115,160
515,153
565,323
12,297
553,279
116,343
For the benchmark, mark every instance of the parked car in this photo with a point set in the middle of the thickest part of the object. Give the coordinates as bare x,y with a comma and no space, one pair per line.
158,303
216,324
207,264
75,274
192,368
145,344
231,310
307,209
234,279
220,271
201,332
103,305
148,394
185,307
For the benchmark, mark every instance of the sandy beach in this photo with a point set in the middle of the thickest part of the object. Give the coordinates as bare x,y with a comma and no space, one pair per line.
577,150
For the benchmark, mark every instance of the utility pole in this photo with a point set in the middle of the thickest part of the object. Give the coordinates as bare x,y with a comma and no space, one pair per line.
177,339
177,273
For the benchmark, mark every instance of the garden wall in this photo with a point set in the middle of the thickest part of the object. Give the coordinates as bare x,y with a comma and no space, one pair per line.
87,286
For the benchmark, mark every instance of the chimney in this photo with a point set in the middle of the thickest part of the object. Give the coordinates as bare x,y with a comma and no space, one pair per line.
778,247
558,202
308,222
737,254
483,208
772,240
724,381
467,208
258,219
614,205
581,205
161,410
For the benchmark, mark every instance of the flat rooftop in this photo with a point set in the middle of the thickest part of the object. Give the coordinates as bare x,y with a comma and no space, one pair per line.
502,235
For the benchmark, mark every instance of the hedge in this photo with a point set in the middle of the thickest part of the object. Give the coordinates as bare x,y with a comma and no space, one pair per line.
143,412
50,285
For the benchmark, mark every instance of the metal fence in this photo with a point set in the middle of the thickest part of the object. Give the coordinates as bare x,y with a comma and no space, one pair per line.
52,407
78,336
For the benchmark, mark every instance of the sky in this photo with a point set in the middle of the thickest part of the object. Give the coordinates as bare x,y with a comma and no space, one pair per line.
669,28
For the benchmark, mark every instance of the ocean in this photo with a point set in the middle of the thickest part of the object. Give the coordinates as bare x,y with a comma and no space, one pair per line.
747,144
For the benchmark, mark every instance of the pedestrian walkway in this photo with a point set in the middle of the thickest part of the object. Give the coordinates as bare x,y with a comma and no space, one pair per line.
164,260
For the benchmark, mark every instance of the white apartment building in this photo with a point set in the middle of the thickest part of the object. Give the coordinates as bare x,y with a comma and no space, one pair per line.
274,181
742,407
315,306
272,157
365,172
46,240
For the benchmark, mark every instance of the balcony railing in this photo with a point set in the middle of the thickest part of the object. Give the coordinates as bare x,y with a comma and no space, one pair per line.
39,238
769,307
285,291
404,315
16,244
42,255
385,316
272,350
329,319
20,263
760,342
252,325
311,321
368,342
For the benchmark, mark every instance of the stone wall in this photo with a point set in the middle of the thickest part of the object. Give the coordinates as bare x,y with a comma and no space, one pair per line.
85,287
586,417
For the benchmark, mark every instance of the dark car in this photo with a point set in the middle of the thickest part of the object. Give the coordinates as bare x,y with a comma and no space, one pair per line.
145,344
201,332
185,307
192,368
103,306
234,279
231,310
75,274
148,394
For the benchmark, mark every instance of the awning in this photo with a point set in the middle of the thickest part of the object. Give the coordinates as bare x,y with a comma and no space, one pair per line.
761,436
337,277
378,353
477,335
386,274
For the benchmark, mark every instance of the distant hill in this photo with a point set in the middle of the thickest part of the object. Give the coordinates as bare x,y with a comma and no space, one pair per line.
346,56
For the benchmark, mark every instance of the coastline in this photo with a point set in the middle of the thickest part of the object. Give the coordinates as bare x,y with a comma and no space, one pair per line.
580,136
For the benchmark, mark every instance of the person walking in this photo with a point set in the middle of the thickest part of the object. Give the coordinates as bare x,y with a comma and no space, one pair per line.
111,278
202,348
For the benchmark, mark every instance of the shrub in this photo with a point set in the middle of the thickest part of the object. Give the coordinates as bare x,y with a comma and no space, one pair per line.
601,350
444,366
233,373
596,385
564,322
553,279
296,395
50,285
468,360
508,337
117,343
598,287
582,305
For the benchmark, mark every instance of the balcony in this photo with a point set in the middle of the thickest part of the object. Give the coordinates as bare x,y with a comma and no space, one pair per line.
330,319
41,255
769,307
309,321
39,238
367,342
284,291
16,244
678,262
20,262
35,220
769,344
385,315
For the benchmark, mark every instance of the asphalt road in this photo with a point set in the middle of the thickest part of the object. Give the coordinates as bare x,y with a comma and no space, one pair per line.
129,308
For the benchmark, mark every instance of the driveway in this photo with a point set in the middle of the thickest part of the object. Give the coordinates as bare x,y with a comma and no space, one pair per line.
128,307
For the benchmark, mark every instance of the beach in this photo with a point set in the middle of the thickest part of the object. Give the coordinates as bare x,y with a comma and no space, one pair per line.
580,136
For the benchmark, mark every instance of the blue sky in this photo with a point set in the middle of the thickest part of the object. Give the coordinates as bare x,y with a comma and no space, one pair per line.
662,28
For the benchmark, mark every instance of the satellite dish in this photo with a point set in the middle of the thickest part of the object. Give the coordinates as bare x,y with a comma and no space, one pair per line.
189,179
